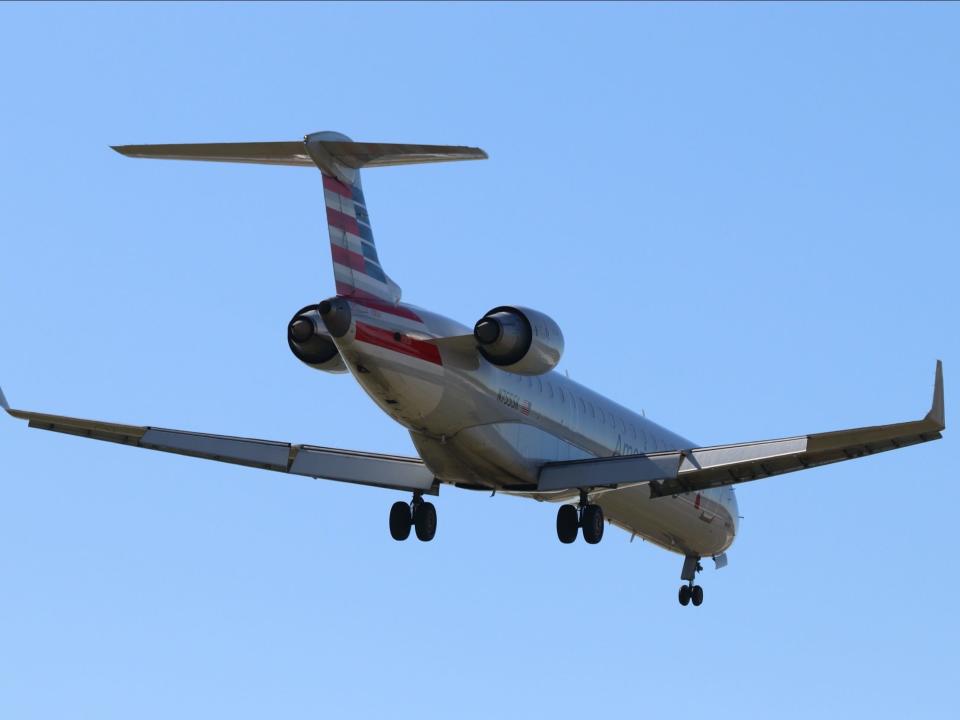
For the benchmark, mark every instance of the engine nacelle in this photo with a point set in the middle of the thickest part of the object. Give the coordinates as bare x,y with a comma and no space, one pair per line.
311,343
519,340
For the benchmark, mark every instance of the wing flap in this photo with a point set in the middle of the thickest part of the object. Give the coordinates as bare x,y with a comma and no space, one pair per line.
609,472
388,471
239,451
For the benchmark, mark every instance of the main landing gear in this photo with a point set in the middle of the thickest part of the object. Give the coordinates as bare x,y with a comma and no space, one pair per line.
420,515
691,592
585,515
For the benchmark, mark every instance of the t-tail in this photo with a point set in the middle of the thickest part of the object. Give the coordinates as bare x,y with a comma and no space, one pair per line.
356,265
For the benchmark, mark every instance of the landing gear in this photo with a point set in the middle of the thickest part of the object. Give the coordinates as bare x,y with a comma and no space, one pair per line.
696,595
690,592
425,521
400,520
587,516
591,520
420,515
567,524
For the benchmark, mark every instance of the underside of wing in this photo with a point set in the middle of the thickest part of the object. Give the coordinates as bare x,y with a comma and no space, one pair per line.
387,471
695,469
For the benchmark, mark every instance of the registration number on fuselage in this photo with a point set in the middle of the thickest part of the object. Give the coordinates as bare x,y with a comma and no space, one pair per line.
513,401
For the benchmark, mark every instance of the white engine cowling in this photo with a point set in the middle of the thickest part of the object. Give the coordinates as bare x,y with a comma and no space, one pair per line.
519,340
311,343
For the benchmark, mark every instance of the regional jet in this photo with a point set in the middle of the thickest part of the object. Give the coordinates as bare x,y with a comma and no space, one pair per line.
485,406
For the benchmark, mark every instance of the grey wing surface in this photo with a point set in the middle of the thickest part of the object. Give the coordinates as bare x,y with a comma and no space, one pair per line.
387,471
696,469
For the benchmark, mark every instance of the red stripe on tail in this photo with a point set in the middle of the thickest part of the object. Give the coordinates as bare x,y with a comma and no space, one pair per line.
351,259
331,183
342,221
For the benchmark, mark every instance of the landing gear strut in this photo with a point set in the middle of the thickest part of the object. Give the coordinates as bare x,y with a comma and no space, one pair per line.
585,515
688,592
418,514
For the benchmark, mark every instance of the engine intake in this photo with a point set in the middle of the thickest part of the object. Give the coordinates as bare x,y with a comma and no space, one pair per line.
311,343
519,340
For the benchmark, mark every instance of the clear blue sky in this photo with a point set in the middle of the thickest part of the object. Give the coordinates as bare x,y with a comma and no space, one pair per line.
745,219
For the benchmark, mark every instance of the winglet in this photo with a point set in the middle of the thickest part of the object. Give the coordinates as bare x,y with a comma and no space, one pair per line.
3,401
936,414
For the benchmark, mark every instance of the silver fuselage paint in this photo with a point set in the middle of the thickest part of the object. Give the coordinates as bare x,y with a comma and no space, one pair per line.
475,424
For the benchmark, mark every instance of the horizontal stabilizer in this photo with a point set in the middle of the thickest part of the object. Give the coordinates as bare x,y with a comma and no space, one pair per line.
265,153
353,155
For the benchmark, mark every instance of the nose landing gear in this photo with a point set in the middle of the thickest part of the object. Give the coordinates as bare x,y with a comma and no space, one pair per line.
690,592
418,514
586,515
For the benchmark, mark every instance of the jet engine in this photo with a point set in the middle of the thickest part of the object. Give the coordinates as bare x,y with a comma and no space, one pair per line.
311,343
519,340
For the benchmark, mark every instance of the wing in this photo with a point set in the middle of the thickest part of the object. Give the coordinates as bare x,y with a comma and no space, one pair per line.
387,471
671,473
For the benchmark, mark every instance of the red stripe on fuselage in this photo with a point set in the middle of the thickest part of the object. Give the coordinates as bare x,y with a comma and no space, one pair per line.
373,302
419,349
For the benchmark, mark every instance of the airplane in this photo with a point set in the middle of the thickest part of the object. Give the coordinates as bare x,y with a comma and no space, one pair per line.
485,406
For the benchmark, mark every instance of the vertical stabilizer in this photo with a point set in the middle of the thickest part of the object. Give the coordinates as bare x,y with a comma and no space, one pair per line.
356,265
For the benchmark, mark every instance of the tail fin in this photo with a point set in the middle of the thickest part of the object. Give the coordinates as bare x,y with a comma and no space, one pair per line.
355,263
356,266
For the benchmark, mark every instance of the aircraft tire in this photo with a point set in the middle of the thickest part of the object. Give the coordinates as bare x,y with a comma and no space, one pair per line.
567,522
400,521
593,524
425,521
696,595
684,595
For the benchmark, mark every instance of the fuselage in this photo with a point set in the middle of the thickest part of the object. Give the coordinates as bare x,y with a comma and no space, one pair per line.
481,427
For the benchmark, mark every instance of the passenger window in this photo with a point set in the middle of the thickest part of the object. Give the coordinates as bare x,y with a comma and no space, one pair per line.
583,408
603,418
592,413
563,399
633,432
550,388
539,385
